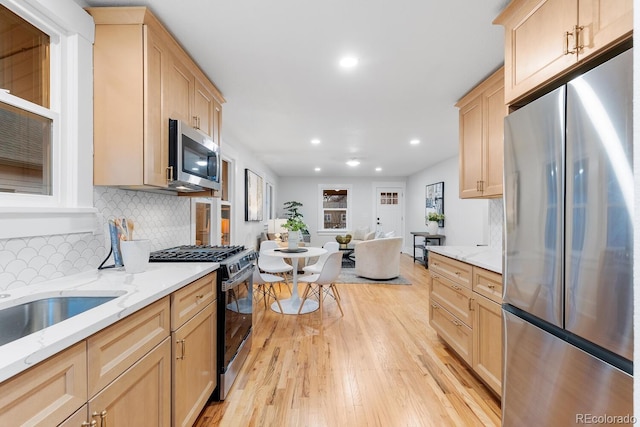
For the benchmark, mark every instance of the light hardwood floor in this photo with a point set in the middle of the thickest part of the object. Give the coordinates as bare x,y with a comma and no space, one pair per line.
379,365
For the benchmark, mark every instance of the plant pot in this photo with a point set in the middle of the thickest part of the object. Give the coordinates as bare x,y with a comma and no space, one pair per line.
432,227
294,238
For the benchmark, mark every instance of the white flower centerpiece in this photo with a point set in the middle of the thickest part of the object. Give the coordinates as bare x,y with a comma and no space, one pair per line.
434,218
294,223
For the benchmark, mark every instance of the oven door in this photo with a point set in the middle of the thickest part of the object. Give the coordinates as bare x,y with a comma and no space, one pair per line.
238,307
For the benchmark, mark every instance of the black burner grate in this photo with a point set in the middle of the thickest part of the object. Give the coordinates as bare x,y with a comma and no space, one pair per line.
195,253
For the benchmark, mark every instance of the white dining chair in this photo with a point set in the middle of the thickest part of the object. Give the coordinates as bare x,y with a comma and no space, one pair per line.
316,268
263,287
323,284
272,264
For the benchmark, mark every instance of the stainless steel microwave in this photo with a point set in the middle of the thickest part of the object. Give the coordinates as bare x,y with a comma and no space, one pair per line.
194,159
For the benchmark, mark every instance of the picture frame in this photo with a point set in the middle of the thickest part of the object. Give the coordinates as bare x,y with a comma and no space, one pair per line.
434,201
253,196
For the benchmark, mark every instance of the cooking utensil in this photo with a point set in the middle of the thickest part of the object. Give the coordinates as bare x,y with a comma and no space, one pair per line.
130,228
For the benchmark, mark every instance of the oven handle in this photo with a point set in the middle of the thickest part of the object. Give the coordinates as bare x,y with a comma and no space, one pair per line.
230,284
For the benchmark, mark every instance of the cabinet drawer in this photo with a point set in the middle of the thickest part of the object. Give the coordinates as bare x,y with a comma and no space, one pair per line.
453,297
188,301
48,393
453,331
488,283
114,349
457,271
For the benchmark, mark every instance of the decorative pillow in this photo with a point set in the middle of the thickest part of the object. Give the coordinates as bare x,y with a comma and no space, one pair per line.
379,234
360,232
390,234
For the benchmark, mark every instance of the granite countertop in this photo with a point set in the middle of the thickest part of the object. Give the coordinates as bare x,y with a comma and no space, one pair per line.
134,291
482,256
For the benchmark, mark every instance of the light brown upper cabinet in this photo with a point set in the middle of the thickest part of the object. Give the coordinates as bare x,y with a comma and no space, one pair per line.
545,39
207,111
482,113
142,77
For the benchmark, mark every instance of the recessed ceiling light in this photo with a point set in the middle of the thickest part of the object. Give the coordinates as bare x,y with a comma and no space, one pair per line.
414,142
378,169
348,62
317,169
315,141
353,162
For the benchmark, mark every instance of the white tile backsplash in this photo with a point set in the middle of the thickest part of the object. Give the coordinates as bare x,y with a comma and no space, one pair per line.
496,218
164,219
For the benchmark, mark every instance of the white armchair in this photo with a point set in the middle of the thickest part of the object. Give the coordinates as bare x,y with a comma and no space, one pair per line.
378,258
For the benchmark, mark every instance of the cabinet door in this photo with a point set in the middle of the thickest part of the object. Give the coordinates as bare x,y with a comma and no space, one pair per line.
604,22
487,342
204,109
141,396
48,393
156,130
471,148
536,43
194,366
493,155
179,90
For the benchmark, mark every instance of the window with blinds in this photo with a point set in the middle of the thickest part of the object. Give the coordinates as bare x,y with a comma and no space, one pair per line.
26,122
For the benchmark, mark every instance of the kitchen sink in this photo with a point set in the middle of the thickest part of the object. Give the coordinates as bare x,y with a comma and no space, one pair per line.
24,319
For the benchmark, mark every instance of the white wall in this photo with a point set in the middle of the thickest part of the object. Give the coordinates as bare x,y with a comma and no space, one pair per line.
466,220
305,190
245,232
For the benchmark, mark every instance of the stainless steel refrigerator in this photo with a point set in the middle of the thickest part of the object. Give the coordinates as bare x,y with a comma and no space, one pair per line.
568,294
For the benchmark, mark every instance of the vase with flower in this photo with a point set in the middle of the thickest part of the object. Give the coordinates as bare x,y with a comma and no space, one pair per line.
434,219
294,223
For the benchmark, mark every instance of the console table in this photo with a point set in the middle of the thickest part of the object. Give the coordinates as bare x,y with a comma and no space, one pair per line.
427,237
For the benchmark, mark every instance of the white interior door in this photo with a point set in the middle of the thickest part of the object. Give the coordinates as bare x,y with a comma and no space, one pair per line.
389,208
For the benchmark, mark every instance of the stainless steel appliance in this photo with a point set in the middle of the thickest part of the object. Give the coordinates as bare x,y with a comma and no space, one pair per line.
235,303
194,159
568,299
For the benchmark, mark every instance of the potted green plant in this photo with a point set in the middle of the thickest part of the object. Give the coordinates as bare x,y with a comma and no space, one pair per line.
434,219
294,223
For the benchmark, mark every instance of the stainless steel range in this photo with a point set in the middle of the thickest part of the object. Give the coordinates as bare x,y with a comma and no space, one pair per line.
235,305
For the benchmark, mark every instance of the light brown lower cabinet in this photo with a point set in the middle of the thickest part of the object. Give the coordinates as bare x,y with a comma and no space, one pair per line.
468,321
47,393
487,342
140,396
131,373
194,366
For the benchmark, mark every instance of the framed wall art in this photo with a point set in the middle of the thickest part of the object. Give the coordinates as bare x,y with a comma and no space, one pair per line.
253,197
434,202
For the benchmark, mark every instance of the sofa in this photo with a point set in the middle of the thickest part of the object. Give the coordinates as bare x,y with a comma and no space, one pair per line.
378,259
360,235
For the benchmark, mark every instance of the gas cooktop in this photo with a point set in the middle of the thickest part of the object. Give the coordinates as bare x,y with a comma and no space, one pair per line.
195,253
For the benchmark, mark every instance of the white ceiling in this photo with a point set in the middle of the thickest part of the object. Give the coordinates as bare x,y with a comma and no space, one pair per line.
276,63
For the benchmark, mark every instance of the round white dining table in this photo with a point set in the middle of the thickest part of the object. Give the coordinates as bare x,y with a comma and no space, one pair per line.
292,305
